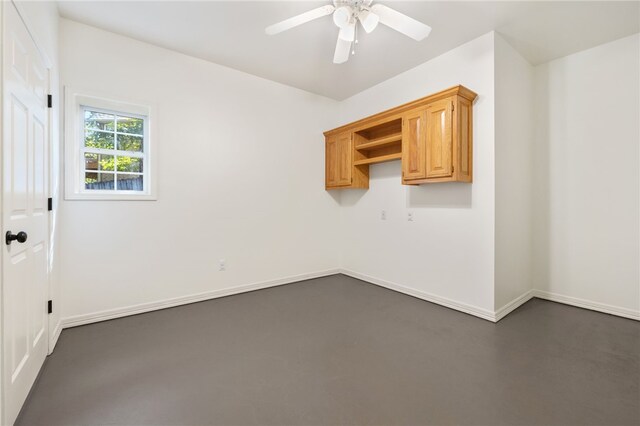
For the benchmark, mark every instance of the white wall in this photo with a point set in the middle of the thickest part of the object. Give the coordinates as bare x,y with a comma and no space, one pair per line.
447,252
514,85
42,21
241,178
587,182
241,171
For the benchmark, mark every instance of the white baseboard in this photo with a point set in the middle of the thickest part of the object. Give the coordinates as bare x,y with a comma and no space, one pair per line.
513,305
77,320
588,304
56,335
504,310
443,301
439,300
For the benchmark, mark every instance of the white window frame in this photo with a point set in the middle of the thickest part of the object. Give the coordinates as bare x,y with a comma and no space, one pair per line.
76,103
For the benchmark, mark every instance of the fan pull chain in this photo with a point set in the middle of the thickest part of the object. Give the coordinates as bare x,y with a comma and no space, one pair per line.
353,46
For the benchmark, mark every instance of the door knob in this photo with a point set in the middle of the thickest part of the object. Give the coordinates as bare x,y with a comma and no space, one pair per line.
21,237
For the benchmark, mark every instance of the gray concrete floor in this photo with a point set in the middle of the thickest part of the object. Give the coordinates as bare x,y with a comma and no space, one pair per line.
337,350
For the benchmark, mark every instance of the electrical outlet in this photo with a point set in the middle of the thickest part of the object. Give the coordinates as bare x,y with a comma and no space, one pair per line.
410,216
383,215
222,265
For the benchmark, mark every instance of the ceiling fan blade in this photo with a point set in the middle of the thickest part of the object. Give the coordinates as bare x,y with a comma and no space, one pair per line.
303,18
343,47
348,33
401,22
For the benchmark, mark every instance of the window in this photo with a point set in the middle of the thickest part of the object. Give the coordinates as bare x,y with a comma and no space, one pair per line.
108,150
113,151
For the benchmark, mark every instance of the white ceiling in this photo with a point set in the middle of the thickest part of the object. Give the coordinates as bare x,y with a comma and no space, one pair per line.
231,33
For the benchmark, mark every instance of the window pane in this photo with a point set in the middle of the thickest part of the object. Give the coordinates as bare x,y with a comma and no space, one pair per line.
127,182
130,143
130,125
98,120
98,161
130,164
98,181
97,139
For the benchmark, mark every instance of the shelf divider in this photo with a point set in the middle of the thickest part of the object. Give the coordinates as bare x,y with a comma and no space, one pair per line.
379,159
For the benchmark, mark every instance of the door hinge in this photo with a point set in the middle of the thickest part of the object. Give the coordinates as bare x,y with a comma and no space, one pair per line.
49,203
49,101
50,306
453,106
452,169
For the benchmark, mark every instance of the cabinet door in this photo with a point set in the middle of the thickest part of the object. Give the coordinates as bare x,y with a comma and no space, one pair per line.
331,161
338,160
414,145
439,139
345,153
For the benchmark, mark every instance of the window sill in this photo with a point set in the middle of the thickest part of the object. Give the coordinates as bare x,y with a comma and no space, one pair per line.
110,197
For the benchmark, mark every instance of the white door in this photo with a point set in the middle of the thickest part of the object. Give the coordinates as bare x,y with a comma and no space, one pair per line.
24,209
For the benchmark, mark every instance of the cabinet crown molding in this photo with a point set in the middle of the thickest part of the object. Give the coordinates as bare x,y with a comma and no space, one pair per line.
458,90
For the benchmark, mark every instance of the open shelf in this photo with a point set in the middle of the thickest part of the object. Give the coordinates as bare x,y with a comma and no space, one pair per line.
382,142
378,159
379,143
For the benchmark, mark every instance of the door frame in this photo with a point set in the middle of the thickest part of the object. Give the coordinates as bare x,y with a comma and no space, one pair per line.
48,64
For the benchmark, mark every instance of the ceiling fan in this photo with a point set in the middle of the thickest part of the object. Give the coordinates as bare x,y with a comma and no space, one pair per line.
347,14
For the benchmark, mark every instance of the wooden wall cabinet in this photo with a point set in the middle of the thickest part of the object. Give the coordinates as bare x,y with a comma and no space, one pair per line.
431,136
340,171
442,150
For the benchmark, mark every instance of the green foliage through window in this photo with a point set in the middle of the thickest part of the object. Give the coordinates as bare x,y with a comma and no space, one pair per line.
130,125
116,133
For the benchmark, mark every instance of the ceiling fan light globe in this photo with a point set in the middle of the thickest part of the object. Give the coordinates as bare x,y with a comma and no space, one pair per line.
369,20
342,16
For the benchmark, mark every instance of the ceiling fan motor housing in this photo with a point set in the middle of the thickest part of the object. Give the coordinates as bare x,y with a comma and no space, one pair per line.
348,11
